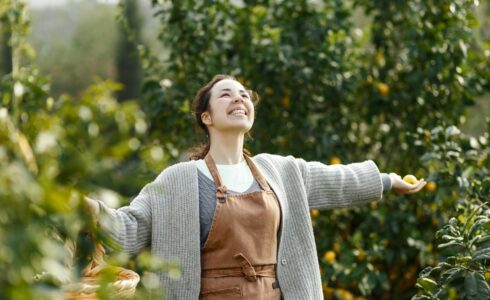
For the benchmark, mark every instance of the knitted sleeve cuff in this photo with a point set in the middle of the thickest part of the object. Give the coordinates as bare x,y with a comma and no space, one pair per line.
386,182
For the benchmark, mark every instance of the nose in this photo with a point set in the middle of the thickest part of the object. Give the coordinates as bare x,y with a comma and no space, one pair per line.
238,98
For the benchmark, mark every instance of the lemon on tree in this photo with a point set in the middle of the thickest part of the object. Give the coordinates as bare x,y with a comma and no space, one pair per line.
431,186
383,89
329,256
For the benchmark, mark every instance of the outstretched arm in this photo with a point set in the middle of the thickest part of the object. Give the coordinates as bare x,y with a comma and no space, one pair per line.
130,225
333,186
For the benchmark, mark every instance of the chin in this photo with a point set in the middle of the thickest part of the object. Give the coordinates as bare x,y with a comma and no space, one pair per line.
241,124
242,129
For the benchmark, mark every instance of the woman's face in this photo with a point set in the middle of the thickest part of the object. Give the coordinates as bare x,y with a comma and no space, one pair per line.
231,108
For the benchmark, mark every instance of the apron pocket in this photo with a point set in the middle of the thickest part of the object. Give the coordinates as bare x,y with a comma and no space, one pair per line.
222,294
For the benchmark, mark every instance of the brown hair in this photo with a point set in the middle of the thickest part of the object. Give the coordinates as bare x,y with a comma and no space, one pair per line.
201,104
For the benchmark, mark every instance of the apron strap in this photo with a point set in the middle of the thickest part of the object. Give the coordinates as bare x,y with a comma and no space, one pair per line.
258,176
247,268
260,271
221,188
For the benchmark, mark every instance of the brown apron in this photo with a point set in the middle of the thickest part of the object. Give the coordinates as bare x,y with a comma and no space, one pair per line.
238,259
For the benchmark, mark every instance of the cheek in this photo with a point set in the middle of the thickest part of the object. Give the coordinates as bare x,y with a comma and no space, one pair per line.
219,108
251,109
214,111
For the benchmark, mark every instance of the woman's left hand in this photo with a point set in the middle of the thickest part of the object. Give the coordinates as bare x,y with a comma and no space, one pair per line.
402,187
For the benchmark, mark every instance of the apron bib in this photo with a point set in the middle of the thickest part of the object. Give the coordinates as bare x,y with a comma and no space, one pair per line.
239,256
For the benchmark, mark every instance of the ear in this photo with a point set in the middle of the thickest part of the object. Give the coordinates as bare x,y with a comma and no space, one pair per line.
206,118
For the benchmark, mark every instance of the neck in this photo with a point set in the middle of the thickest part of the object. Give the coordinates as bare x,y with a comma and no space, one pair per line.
226,148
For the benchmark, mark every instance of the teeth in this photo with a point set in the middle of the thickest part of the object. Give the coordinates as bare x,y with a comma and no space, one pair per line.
238,112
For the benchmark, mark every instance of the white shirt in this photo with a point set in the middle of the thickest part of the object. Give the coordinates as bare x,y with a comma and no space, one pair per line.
237,177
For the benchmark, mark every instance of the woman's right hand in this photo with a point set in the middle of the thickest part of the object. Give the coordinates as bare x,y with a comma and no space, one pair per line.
93,207
400,186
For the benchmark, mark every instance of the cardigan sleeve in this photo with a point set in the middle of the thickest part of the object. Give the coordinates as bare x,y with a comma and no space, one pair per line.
129,226
335,186
386,182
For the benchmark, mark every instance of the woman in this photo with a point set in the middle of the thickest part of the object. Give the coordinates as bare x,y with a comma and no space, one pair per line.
240,225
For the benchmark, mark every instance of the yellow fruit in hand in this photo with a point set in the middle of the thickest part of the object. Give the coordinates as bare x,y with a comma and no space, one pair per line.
431,186
329,256
334,160
410,179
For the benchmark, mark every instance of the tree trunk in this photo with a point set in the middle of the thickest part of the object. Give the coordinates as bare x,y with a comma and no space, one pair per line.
128,64
6,51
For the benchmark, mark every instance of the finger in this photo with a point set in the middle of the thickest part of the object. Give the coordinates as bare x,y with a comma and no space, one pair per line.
417,189
421,182
420,185
406,185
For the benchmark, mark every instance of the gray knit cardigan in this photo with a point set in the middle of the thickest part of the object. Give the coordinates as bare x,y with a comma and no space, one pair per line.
165,216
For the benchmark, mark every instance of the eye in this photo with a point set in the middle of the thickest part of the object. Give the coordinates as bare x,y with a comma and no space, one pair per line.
225,94
245,96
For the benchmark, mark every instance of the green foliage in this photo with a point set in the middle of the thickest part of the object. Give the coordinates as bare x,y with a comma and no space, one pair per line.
52,152
461,164
298,56
306,60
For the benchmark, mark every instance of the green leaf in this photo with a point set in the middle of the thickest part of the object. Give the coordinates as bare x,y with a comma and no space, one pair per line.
452,274
453,222
475,239
427,284
476,287
482,254
477,225
441,267
448,237
483,242
425,272
450,244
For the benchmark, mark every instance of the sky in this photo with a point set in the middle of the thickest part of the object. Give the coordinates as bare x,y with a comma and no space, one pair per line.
41,3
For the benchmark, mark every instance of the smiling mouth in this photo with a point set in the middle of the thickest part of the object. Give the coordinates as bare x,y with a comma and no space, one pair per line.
238,112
